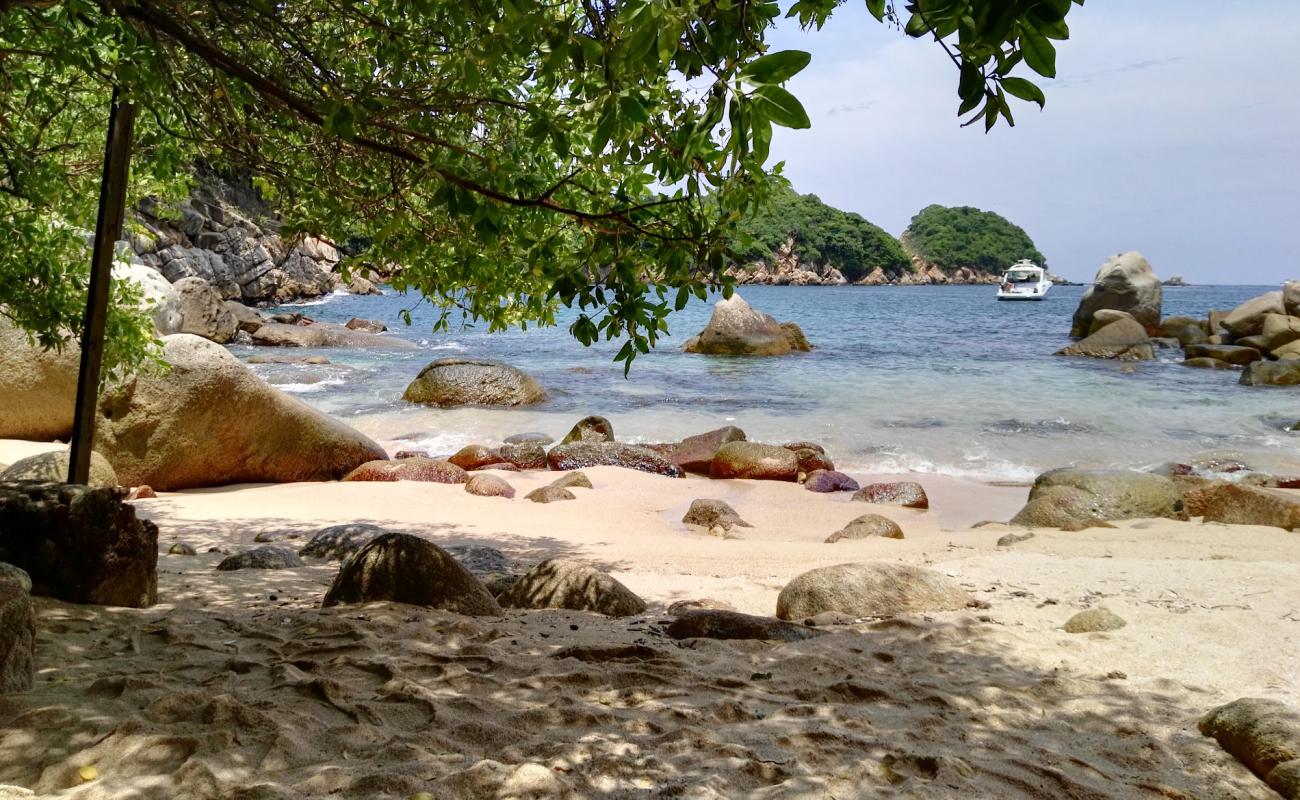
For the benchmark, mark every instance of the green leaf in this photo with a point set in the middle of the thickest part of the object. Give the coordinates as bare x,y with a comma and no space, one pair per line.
877,9
1040,53
776,67
781,107
1025,90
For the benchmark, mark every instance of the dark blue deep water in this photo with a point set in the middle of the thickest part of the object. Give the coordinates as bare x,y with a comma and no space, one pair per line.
931,379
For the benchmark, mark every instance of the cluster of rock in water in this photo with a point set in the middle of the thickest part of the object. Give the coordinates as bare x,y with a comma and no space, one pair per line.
1119,317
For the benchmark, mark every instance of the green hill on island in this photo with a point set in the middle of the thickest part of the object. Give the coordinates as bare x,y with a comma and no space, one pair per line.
952,238
822,235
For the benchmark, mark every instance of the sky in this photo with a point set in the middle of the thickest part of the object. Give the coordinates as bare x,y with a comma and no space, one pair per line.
1173,128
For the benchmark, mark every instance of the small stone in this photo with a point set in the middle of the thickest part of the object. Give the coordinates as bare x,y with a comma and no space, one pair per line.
1094,620
573,480
1014,538
712,514
182,549
550,494
717,624
340,541
144,492
867,526
485,485
908,494
268,556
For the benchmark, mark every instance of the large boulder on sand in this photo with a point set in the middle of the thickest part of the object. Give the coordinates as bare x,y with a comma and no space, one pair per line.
208,421
590,429
459,381
1122,339
695,453
736,329
1113,493
78,544
203,312
706,513
580,455
38,388
1239,504
403,568
559,583
1124,282
908,494
17,631
52,467
867,526
1262,734
415,468
870,590
765,462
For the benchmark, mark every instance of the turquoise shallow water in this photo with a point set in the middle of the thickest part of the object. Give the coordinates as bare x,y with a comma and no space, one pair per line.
929,379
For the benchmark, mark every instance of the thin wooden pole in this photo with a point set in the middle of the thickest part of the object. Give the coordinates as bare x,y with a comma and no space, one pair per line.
108,229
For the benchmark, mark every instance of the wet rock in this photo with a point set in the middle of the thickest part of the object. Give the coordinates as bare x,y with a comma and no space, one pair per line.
754,461
409,469
525,455
797,446
209,420
458,381
578,455
400,454
278,358
1094,620
811,461
1124,282
736,329
590,429
695,453
1124,340
269,556
708,513
824,480
550,494
794,336
870,590
1262,734
246,319
1233,354
529,438
718,624
322,334
1106,316
52,467
337,542
1247,319
181,549
17,631
1207,363
407,569
476,456
559,583
367,325
867,526
1176,325
1271,373
908,494
78,544
572,480
485,485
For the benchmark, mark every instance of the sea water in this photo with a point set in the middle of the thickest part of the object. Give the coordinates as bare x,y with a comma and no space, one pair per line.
928,379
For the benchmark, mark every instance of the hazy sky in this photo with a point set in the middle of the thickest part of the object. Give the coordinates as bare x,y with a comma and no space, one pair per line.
1173,129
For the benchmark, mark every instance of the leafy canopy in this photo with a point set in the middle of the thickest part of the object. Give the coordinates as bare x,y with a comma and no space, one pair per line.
967,237
515,156
822,236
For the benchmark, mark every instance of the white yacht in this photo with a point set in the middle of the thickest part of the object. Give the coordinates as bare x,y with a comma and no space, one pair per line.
1025,280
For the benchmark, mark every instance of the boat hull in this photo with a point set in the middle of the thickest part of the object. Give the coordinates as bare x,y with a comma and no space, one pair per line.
1021,296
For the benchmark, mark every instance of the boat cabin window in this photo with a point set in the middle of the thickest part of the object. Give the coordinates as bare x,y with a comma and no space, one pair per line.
1022,277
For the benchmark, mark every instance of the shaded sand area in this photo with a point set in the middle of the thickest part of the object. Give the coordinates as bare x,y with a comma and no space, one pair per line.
237,685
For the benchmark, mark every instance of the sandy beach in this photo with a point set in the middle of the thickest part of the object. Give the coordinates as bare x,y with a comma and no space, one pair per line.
237,684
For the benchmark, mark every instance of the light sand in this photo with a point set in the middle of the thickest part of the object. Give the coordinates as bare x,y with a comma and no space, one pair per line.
237,685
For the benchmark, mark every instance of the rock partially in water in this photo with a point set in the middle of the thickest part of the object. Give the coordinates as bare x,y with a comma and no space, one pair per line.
182,549
754,461
407,569
590,429
1117,494
1232,354
1124,282
1094,620
531,437
560,583
1272,373
367,325
811,461
1124,340
269,556
1207,363
1238,504
908,494
870,590
867,526
476,456
736,329
695,453
1247,319
459,381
